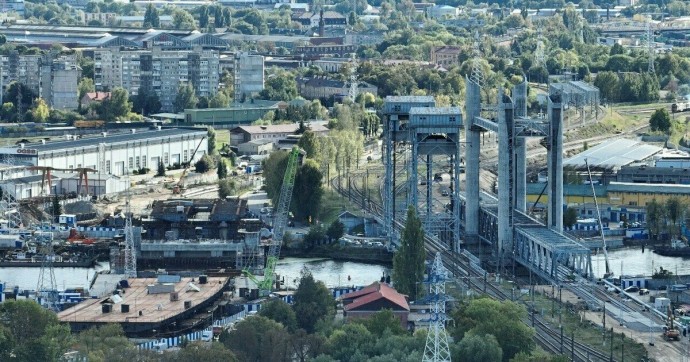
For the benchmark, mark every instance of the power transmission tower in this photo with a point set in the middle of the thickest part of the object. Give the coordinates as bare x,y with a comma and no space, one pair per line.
352,92
436,348
477,74
46,289
130,248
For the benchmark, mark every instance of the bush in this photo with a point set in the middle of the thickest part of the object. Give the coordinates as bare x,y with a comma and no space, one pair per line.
144,170
161,169
226,187
205,164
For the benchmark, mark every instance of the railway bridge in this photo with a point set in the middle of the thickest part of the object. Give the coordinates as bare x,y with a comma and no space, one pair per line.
420,138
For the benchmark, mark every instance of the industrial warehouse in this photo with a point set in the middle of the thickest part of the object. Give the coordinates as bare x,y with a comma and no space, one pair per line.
116,154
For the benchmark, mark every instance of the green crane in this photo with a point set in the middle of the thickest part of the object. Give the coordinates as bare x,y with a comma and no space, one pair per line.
280,220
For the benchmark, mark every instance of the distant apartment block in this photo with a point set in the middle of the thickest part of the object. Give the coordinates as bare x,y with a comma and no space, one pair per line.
50,76
159,71
103,18
249,75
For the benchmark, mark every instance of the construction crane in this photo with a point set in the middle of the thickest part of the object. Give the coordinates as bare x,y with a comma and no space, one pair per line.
280,220
46,176
178,187
609,272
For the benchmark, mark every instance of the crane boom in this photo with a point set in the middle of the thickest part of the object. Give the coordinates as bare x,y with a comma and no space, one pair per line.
280,220
601,225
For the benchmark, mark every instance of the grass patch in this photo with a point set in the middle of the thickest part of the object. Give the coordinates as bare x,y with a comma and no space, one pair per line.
222,137
332,205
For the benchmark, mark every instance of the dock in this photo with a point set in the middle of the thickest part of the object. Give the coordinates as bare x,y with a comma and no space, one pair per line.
147,305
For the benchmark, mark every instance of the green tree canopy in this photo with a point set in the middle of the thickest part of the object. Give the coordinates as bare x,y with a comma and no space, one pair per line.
408,262
151,18
474,348
281,312
226,187
257,339
30,332
570,217
186,98
308,191
660,121
312,302
280,87
503,320
182,19
383,322
41,111
115,107
335,230
309,143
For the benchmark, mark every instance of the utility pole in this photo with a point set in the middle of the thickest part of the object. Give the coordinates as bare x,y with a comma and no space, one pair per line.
572,345
611,356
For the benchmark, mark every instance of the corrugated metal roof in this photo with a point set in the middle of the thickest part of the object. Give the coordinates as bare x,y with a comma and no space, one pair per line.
649,188
613,154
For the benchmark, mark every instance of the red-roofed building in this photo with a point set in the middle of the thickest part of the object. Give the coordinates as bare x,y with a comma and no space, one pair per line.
93,97
375,298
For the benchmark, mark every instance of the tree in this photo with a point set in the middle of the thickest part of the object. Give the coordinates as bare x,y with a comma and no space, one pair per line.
146,103
312,302
199,351
16,91
660,121
475,348
185,98
274,169
281,312
503,320
257,339
211,134
56,207
308,190
161,169
607,82
182,19
105,343
408,262
85,86
655,216
675,211
226,187
336,230
151,18
570,217
281,87
314,237
219,100
204,164
203,17
116,106
309,143
222,169
31,332
383,322
41,111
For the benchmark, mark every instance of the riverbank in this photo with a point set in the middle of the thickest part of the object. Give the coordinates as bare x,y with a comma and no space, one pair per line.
361,254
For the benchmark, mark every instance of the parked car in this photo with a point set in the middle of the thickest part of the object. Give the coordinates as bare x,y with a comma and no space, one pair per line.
632,289
644,291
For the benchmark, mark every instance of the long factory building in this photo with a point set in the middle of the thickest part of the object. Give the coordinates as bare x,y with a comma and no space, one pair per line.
113,154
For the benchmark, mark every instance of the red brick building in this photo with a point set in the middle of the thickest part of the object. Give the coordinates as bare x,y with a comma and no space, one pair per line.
374,298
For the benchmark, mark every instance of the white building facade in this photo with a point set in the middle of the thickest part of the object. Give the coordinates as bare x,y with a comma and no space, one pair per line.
118,154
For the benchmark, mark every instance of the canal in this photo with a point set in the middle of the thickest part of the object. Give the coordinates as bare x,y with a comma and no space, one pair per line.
632,261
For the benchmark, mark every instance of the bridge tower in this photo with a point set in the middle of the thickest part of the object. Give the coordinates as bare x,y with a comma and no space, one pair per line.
436,348
421,149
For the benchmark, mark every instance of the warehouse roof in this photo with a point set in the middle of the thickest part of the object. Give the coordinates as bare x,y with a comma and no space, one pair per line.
568,190
613,154
649,188
112,139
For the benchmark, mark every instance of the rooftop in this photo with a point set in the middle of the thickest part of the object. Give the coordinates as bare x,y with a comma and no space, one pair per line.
613,154
410,99
373,293
435,110
109,139
280,128
649,188
155,308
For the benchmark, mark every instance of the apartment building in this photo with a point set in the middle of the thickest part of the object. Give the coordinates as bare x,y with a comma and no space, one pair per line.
157,70
51,76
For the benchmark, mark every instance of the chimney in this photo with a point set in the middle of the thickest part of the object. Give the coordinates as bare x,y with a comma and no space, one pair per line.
104,134
133,131
21,145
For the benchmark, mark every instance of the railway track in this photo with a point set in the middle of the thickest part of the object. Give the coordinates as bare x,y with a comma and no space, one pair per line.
463,267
